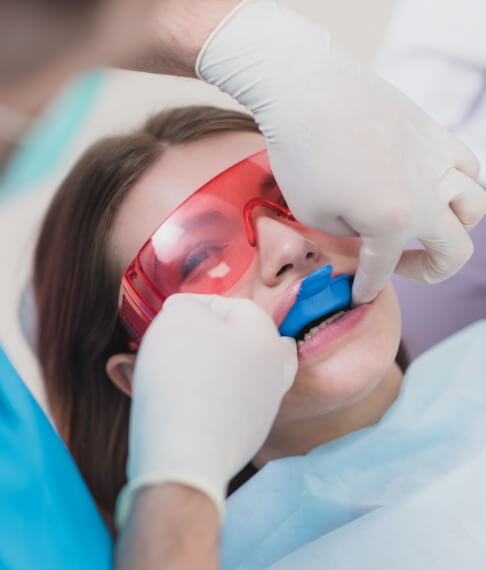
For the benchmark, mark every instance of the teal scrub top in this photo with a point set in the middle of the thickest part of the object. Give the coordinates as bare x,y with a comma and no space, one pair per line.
48,519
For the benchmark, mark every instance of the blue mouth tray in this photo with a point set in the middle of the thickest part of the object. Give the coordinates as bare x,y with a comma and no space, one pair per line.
318,295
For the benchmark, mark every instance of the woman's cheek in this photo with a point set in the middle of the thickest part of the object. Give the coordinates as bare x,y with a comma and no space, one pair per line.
345,374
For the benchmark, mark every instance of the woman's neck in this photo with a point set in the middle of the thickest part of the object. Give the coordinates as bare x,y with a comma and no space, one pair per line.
299,437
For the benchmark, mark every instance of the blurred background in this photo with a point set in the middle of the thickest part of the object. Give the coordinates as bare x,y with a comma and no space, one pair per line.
120,100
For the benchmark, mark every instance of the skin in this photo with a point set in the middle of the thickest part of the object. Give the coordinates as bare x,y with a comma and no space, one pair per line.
188,537
156,36
347,386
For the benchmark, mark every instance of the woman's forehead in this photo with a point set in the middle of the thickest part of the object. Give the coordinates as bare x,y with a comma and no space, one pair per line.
179,172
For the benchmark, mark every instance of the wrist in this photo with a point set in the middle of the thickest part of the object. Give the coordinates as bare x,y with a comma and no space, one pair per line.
171,526
178,34
254,68
213,491
176,497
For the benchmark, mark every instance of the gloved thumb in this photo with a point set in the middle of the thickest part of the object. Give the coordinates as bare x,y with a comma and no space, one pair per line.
290,361
378,258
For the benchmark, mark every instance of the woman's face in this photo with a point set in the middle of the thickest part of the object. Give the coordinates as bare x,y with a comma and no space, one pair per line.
336,369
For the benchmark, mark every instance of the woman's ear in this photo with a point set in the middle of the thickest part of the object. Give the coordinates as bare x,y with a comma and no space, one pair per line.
119,368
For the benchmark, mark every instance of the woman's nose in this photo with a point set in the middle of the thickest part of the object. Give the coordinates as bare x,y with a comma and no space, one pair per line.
283,250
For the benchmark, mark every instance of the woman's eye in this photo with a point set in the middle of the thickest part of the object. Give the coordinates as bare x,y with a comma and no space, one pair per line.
194,259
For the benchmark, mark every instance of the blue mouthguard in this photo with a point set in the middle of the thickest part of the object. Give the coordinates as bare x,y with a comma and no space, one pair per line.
318,295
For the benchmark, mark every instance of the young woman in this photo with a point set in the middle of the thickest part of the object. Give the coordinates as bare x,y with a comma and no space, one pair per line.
118,193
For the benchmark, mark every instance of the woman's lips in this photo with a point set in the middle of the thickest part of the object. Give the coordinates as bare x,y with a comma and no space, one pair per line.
323,338
286,302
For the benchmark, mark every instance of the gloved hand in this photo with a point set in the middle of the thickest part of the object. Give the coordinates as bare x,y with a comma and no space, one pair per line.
208,382
351,154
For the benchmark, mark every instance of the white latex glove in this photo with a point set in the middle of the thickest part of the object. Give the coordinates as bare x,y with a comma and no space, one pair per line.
351,154
208,382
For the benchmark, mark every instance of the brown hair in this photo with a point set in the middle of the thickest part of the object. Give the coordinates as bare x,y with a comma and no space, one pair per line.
76,289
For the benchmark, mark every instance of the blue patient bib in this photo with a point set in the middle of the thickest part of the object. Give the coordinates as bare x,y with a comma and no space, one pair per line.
408,493
48,519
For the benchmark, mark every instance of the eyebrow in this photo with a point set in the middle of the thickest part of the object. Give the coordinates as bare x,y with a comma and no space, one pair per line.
204,219
266,186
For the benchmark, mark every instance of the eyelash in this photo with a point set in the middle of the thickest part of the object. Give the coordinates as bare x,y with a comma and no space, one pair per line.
198,256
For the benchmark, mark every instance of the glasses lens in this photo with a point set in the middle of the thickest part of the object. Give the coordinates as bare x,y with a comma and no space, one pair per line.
206,245
203,246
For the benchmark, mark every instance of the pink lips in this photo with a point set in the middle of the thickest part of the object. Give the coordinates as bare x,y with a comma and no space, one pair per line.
334,331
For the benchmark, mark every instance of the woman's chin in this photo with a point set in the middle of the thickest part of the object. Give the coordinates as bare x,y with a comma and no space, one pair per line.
351,359
345,375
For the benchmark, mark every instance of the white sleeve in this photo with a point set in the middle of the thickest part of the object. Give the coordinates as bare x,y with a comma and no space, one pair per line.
435,52
454,28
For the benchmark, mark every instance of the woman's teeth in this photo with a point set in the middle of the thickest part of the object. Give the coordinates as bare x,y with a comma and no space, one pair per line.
320,326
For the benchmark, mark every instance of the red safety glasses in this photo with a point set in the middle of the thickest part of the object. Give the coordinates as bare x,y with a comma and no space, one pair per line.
205,246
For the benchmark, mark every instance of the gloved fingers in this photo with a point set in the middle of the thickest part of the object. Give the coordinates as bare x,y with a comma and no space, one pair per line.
460,155
242,313
213,305
444,254
178,300
338,227
180,311
378,257
465,197
253,321
228,308
290,361
219,306
247,315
